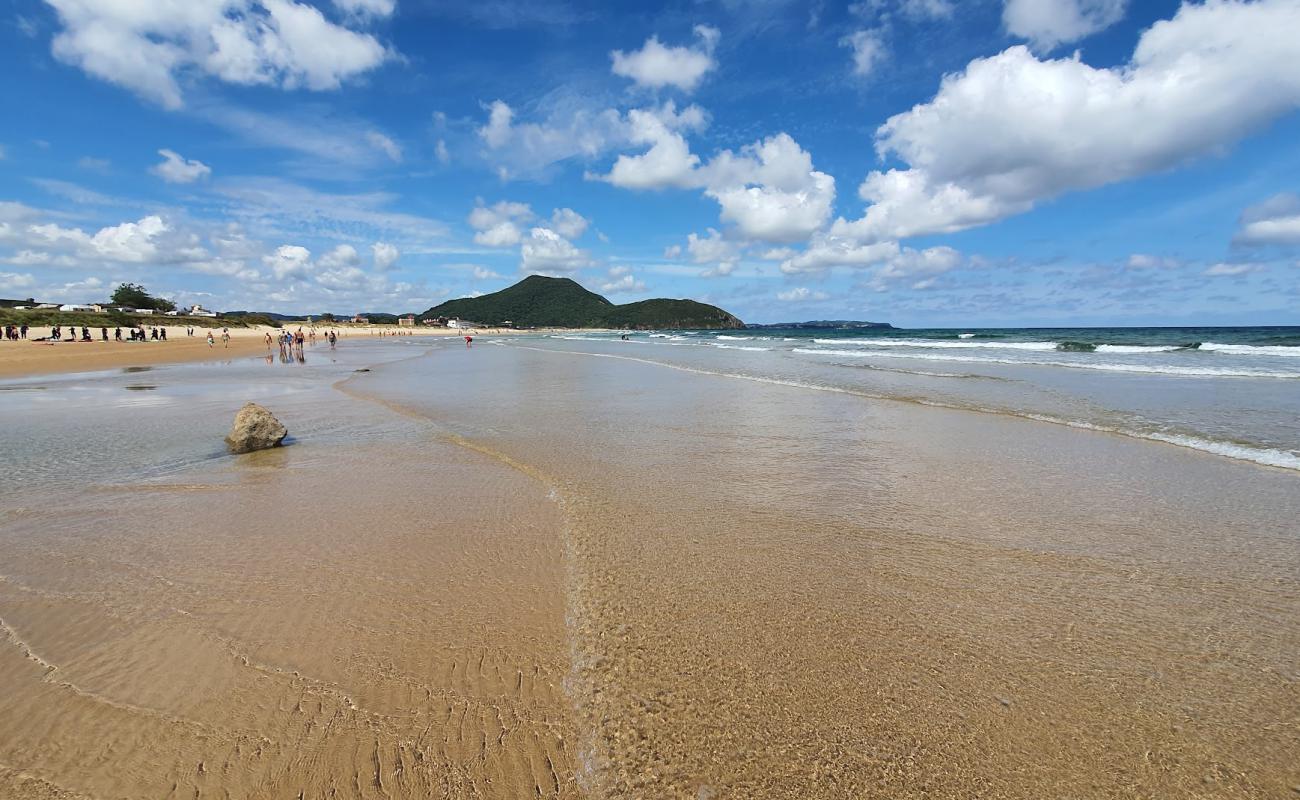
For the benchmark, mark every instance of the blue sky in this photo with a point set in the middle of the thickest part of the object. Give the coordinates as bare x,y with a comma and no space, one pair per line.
924,162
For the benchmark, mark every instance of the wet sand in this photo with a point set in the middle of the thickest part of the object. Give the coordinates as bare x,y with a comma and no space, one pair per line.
29,357
505,572
374,618
780,592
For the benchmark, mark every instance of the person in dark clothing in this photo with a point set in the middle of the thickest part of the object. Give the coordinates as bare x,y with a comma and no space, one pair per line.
117,334
103,334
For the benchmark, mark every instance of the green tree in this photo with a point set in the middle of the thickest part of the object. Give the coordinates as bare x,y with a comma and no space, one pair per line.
327,317
134,295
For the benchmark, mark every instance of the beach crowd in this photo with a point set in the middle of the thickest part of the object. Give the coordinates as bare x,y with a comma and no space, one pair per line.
59,334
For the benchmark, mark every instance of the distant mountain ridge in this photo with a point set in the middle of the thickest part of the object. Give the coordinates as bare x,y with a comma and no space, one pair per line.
541,302
827,324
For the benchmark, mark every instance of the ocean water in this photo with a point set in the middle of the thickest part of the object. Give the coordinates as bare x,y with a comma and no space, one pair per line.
781,585
1233,392
680,565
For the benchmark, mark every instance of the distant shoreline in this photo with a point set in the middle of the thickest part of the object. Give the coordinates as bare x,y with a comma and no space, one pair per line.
28,358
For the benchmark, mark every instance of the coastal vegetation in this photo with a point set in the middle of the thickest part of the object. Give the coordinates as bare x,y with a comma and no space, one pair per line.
43,317
541,302
133,295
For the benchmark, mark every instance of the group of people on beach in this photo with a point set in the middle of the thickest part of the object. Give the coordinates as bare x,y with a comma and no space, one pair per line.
133,334
59,333
294,340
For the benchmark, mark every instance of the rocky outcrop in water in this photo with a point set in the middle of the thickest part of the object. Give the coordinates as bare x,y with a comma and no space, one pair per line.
255,428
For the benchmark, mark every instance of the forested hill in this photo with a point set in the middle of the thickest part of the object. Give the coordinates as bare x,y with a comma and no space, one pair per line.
541,302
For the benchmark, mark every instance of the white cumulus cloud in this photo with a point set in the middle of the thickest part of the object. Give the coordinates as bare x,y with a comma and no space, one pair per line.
289,261
344,255
499,225
175,169
801,294
1275,221
1012,130
657,65
373,8
147,47
826,251
544,251
770,190
621,280
669,162
917,268
569,223
385,255
868,47
1048,23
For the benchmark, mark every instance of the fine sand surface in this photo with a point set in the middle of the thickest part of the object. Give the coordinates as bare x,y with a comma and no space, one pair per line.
512,571
29,357
376,614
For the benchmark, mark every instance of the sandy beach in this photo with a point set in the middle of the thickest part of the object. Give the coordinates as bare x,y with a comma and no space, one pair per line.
29,357
548,568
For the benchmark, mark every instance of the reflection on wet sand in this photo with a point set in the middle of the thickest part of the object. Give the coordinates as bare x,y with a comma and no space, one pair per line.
784,593
498,572
370,621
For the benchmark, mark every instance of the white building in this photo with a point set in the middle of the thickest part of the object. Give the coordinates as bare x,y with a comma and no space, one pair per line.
81,307
199,311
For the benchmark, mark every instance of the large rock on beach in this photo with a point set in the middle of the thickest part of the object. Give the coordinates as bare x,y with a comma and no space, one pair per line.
255,428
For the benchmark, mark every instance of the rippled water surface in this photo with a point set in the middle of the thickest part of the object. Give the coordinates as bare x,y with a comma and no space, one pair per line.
662,567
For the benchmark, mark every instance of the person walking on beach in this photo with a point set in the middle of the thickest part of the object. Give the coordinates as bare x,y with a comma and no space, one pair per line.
117,334
162,334
225,337
211,341
23,330
268,340
103,334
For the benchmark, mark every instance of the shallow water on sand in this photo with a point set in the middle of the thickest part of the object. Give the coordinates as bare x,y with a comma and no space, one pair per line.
782,592
510,571
368,612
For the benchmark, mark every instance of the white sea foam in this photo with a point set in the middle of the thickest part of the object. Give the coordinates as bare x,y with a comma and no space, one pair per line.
1104,366
965,336
1134,348
935,343
1252,349
734,338
1270,457
738,347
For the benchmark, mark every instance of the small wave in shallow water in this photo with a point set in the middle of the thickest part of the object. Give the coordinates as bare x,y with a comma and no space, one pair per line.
1104,366
1257,454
